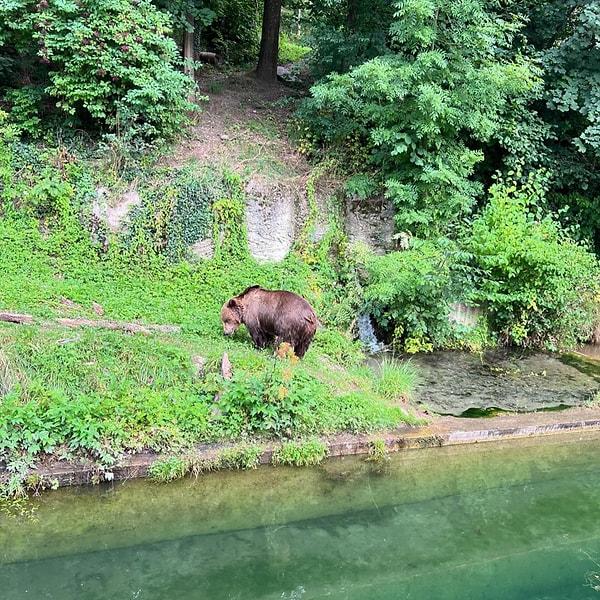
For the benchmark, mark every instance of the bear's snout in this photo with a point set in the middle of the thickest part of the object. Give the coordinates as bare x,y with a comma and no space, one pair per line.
230,328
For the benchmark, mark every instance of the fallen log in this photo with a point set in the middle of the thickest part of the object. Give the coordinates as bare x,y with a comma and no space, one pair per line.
118,325
15,318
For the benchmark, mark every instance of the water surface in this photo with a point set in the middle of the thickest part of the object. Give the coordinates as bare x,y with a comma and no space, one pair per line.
460,383
512,519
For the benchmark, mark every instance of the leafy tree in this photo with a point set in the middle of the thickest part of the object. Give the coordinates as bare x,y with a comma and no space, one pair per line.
103,63
564,35
346,33
417,118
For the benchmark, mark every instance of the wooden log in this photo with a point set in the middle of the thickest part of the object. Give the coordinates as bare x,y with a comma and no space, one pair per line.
15,318
118,325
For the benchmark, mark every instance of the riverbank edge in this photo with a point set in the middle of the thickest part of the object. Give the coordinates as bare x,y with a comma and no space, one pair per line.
439,431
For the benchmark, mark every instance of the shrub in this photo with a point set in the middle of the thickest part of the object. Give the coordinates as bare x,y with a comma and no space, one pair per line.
289,52
110,62
408,296
538,284
278,400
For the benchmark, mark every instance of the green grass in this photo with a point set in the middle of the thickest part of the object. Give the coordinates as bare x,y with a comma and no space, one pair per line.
99,394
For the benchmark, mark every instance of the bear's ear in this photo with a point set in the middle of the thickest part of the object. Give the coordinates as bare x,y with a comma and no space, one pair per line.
235,305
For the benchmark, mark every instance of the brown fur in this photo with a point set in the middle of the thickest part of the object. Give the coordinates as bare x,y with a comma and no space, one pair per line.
271,316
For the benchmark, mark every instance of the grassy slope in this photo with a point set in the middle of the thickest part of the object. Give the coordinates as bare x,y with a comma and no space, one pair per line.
98,393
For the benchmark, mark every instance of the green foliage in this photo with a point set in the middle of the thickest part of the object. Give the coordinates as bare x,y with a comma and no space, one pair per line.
419,114
378,453
97,395
301,454
171,467
174,215
345,34
26,109
563,34
277,400
576,88
167,469
242,457
339,346
408,295
8,186
540,287
289,52
111,64
396,380
234,33
182,10
229,220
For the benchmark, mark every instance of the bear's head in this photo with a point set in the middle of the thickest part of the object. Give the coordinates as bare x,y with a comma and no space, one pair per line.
231,316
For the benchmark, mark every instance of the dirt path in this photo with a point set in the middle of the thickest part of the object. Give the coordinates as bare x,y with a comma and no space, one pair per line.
243,126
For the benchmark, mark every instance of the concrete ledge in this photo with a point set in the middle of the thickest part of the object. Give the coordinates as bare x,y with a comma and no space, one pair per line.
440,431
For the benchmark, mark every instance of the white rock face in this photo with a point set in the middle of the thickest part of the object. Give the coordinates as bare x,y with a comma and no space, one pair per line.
270,220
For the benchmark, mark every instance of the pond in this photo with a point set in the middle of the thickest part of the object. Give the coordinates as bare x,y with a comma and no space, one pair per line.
475,384
514,519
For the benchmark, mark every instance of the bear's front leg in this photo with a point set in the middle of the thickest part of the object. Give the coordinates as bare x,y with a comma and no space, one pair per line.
260,340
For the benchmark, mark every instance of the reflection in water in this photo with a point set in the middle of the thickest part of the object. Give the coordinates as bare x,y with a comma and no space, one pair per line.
517,521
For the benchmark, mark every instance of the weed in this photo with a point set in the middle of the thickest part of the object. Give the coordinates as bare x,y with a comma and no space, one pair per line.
378,452
242,457
167,469
301,454
396,379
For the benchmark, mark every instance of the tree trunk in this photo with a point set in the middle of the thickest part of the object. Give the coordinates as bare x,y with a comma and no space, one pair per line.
266,71
188,52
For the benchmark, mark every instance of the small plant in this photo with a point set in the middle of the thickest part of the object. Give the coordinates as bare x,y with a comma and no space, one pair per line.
279,399
168,469
396,379
241,457
301,454
378,452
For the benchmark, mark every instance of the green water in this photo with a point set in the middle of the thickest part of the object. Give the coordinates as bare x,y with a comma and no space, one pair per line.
501,520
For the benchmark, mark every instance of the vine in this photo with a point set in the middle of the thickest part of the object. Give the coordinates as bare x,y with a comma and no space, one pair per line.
230,235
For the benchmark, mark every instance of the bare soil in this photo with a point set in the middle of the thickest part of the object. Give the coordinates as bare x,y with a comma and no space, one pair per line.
242,126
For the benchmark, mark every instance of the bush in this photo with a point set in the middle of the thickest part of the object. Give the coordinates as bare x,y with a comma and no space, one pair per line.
108,63
408,296
277,400
538,284
289,52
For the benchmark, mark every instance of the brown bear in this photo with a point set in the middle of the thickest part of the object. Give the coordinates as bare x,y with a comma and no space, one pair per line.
271,316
